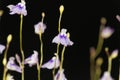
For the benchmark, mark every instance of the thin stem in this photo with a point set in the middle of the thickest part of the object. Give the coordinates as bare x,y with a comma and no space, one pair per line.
109,64
21,47
61,63
100,42
5,59
55,61
92,68
41,59
59,23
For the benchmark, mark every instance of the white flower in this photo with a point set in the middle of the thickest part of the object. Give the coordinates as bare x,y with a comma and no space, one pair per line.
20,8
51,63
32,60
12,66
2,48
62,38
106,76
9,77
39,27
57,76
107,32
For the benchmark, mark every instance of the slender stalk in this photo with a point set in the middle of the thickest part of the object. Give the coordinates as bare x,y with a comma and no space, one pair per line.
92,68
21,47
41,59
100,42
5,61
59,23
55,61
109,64
61,63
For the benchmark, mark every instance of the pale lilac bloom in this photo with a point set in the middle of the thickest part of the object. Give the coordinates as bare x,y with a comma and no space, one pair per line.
32,60
57,76
39,27
51,63
107,32
106,76
12,66
20,8
62,38
2,48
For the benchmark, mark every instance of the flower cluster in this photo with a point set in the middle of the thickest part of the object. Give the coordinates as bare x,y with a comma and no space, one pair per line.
17,62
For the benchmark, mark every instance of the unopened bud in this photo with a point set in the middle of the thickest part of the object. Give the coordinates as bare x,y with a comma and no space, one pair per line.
61,9
114,54
9,38
4,61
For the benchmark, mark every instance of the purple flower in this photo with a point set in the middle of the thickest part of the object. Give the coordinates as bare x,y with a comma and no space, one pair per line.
62,38
20,8
51,63
12,66
39,27
2,48
106,76
60,77
32,60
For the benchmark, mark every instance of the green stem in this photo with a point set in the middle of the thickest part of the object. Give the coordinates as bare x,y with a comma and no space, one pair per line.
92,68
61,63
55,61
21,47
59,23
41,59
109,64
100,42
5,58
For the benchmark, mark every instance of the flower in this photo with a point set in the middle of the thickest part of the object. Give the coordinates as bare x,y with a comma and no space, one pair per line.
51,63
106,76
12,66
2,48
62,38
9,77
57,76
118,17
32,60
20,8
107,32
39,27
114,54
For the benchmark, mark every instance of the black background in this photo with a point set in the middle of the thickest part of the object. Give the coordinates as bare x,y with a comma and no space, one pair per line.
80,18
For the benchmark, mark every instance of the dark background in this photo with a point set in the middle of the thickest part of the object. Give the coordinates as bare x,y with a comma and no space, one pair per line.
80,18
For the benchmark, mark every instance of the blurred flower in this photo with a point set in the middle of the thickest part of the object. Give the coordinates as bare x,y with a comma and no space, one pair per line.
12,66
39,27
106,76
51,63
107,32
57,76
114,54
2,48
20,8
1,12
118,17
32,60
9,77
62,38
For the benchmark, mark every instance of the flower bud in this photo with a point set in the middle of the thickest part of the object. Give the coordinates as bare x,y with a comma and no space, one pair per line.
4,61
9,38
61,9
